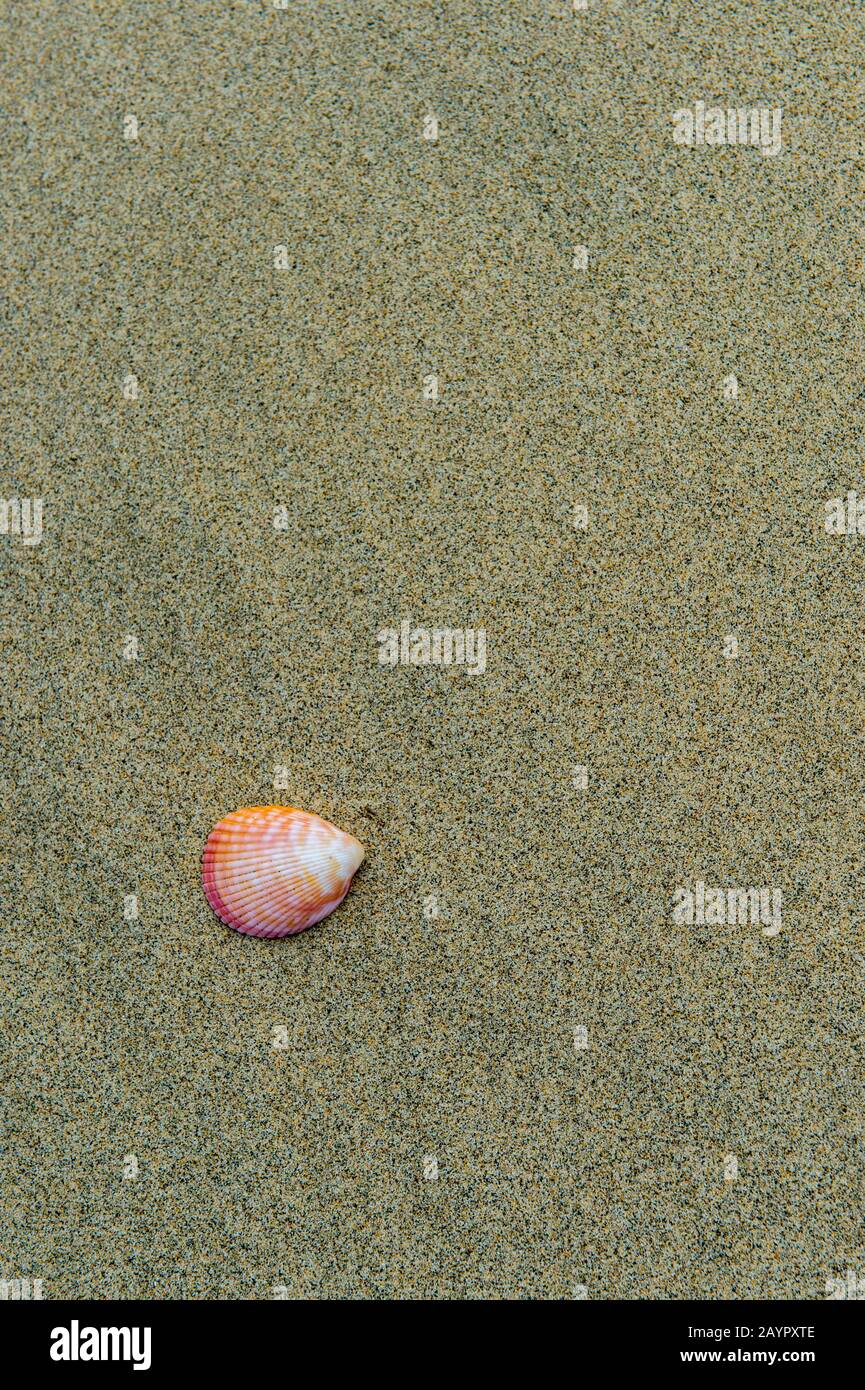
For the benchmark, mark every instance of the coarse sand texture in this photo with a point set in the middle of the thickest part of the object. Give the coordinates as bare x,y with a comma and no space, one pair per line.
446,419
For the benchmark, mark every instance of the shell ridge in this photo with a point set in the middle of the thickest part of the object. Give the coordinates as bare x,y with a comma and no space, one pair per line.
276,870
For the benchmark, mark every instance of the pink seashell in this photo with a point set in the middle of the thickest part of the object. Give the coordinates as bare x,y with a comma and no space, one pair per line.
275,870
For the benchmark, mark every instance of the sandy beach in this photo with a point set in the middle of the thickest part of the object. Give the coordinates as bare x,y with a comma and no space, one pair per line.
324,320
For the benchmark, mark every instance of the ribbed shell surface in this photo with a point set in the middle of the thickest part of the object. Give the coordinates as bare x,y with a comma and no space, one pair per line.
275,870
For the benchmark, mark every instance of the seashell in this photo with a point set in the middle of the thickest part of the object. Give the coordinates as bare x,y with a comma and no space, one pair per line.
276,870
